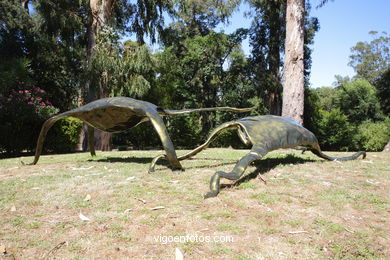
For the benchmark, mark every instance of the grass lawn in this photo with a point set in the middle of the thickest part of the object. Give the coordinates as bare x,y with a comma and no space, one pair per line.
307,209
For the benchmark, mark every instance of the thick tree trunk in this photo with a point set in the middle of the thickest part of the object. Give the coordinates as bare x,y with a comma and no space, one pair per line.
103,140
100,13
293,89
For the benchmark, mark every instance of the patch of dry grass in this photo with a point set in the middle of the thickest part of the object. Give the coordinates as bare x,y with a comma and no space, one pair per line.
309,208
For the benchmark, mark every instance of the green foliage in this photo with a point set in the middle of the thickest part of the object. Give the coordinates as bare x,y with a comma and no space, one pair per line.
228,138
371,59
334,130
198,18
358,99
140,137
64,136
347,117
312,110
383,87
124,69
14,71
54,58
372,136
327,97
193,74
185,130
22,113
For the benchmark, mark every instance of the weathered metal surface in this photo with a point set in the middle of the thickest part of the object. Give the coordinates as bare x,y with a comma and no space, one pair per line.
264,134
118,114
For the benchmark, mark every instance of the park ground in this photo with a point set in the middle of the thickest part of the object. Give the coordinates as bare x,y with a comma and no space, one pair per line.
73,206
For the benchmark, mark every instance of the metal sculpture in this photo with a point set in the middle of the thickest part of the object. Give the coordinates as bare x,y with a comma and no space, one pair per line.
264,133
118,114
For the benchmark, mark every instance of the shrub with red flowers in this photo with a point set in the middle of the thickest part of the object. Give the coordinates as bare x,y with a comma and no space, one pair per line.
22,113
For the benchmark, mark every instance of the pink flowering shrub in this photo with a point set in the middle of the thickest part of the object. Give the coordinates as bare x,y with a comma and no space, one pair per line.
22,113
33,98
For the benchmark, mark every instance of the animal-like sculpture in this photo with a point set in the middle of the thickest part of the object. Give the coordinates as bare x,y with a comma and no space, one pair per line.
264,133
118,114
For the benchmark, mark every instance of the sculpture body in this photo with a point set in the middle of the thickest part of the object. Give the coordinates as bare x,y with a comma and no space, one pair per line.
118,114
264,134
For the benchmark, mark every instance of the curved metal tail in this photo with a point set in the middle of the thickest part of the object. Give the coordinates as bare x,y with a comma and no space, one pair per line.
206,109
345,158
198,149
42,135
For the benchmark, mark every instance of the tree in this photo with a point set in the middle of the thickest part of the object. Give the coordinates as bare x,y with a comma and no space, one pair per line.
192,72
267,39
383,87
140,17
293,75
371,59
358,99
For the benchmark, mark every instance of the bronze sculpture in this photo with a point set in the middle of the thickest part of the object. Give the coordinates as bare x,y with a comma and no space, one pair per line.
117,114
265,134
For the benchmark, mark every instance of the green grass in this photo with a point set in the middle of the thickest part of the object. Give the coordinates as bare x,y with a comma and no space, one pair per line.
309,208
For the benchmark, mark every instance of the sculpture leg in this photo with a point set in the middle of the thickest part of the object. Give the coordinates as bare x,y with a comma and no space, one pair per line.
42,135
159,125
197,150
91,140
235,174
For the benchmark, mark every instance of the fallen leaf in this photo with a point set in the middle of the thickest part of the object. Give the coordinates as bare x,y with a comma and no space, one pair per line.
127,211
130,178
173,182
142,200
95,173
35,188
87,198
178,254
81,168
83,218
366,161
13,209
297,232
373,182
157,208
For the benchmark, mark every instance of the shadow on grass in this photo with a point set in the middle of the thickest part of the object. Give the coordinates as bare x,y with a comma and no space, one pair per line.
148,160
265,165
143,160
262,166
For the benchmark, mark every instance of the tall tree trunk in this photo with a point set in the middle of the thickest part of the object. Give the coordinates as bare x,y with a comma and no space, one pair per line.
293,89
100,14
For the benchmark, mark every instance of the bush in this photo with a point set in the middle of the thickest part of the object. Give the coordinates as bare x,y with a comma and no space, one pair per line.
334,131
372,136
227,138
185,130
358,99
22,113
140,137
64,135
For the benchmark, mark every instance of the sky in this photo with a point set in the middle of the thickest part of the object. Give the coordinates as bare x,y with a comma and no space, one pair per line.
343,23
